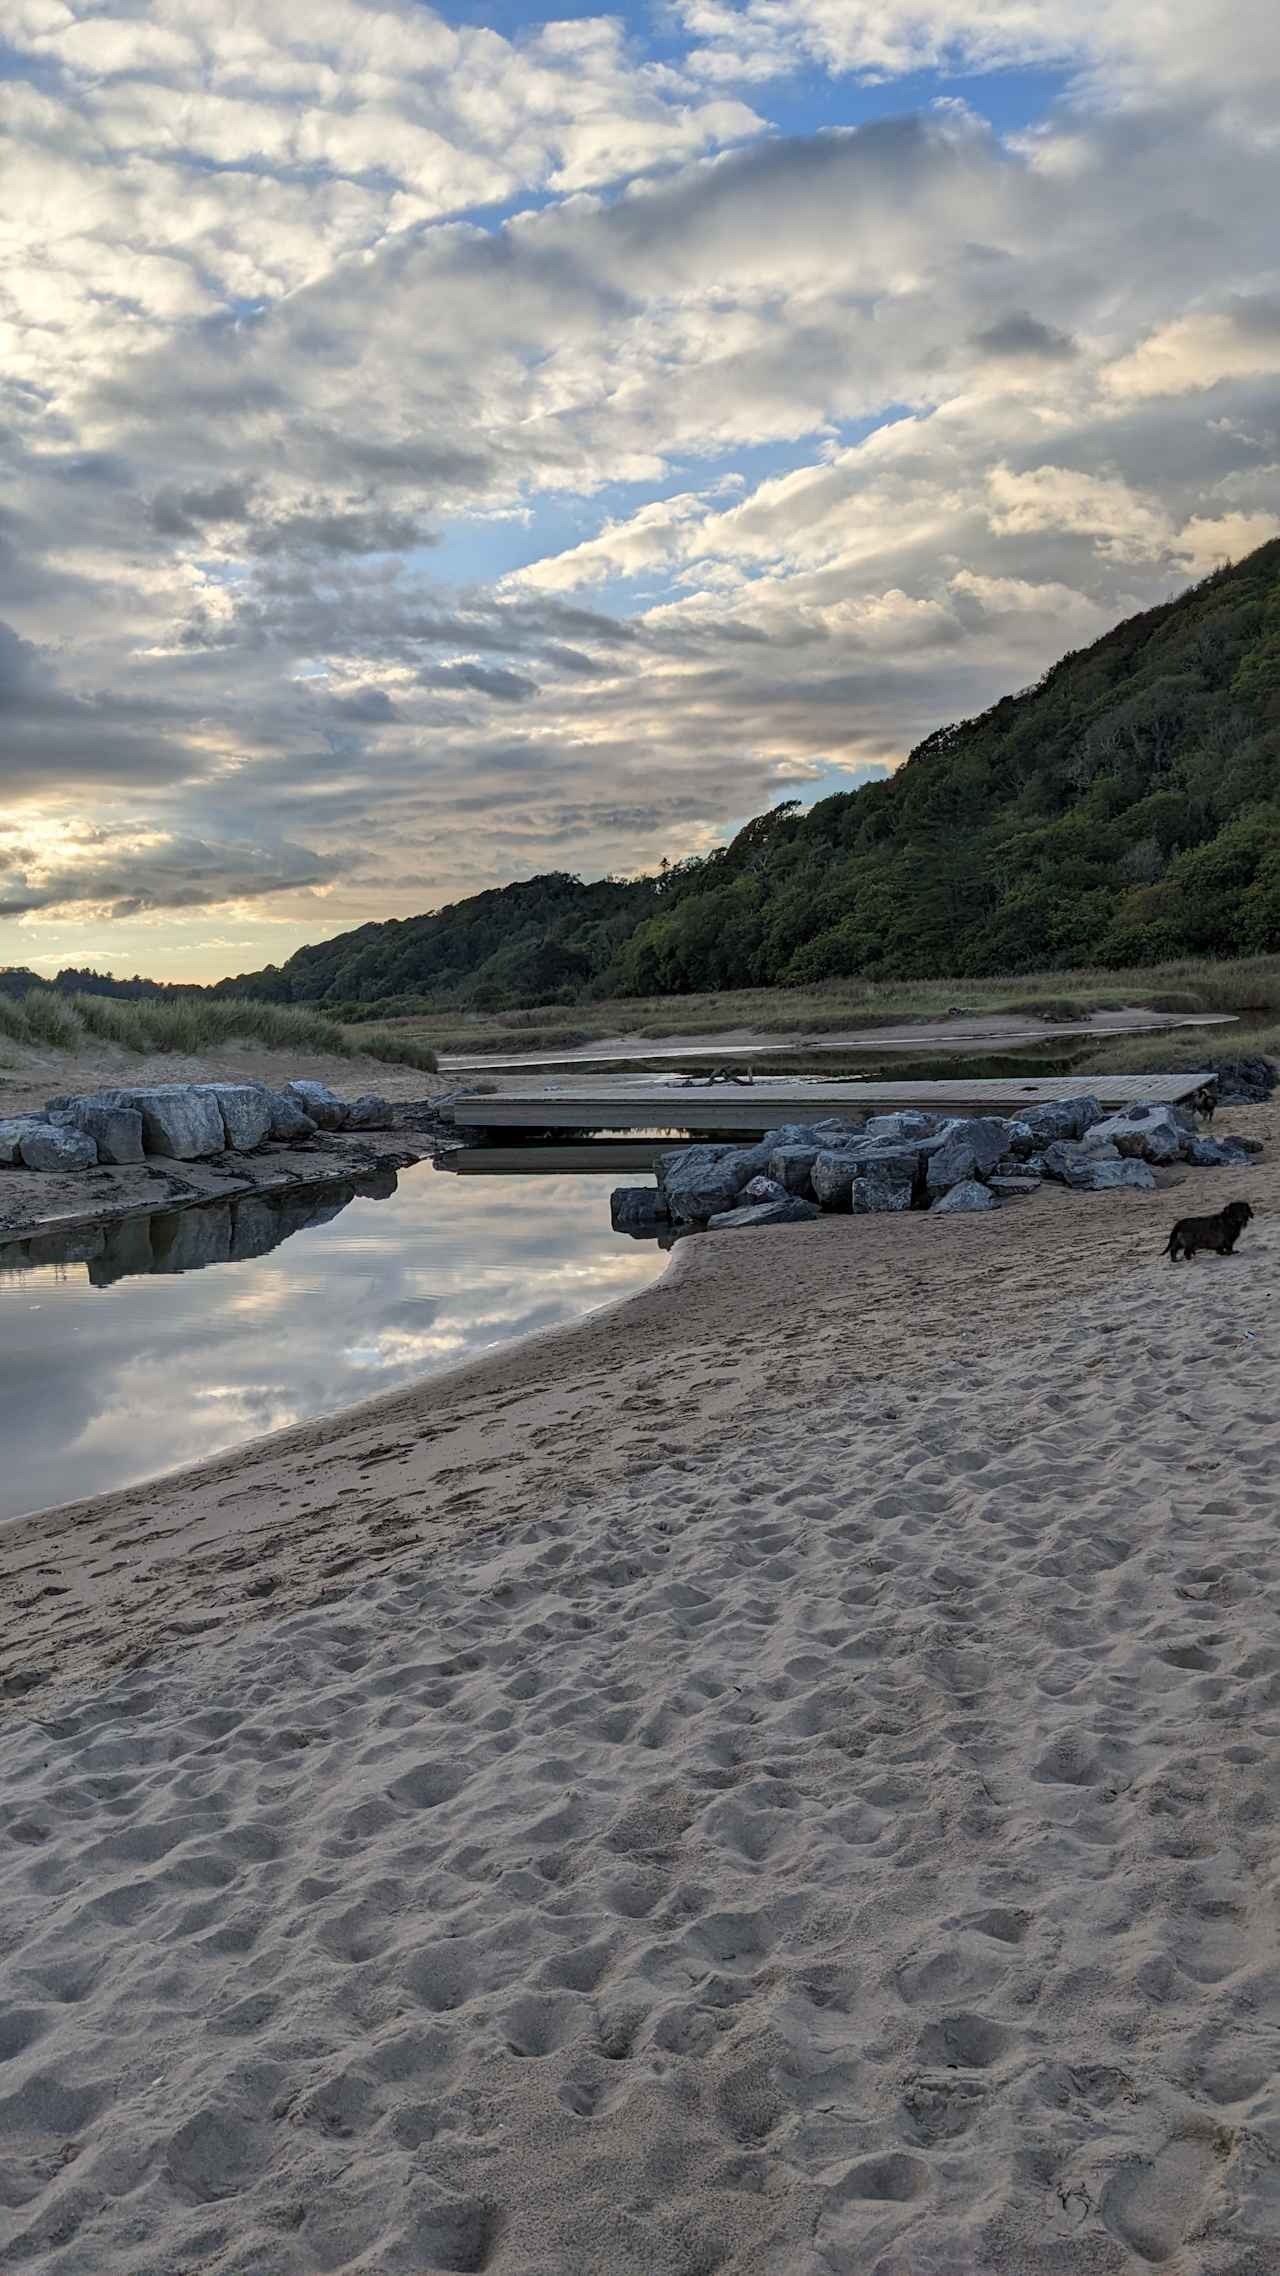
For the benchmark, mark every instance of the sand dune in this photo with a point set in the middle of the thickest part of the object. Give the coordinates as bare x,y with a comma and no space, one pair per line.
844,1847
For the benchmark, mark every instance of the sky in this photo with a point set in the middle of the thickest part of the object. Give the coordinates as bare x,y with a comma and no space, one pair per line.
444,444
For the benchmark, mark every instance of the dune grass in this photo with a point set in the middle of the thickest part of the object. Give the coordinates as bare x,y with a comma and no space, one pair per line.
190,1025
1248,989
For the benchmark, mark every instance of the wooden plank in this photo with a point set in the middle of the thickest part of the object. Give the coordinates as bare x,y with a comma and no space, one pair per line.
633,1104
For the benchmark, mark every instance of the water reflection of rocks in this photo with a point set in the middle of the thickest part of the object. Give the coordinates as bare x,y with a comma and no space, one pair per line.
188,1240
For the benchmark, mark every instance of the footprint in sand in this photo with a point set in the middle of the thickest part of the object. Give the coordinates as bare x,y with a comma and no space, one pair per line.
1152,2206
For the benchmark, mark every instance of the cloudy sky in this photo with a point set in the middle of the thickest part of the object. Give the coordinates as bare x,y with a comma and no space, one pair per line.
439,444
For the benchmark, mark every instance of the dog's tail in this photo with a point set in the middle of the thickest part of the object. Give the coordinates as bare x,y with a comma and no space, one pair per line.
1171,1244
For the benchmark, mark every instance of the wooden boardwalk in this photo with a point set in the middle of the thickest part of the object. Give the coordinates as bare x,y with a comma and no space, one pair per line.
639,1103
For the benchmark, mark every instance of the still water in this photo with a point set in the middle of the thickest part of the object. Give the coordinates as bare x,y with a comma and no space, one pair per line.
166,1339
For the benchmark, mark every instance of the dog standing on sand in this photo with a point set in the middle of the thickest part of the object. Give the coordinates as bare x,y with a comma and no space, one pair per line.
1220,1233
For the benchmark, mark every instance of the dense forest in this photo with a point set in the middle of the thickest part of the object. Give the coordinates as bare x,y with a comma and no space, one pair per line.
1123,811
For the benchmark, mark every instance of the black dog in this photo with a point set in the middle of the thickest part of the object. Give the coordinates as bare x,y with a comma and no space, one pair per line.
1220,1233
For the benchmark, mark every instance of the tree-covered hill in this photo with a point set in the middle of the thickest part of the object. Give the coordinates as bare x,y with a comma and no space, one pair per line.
1123,811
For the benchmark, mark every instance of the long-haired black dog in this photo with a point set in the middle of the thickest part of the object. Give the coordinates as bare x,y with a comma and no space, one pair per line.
1220,1233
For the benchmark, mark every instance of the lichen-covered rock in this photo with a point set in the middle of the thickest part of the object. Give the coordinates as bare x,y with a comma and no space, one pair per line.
246,1113
970,1150
638,1209
832,1177
883,1186
325,1108
179,1120
963,1199
12,1132
791,1167
115,1130
791,1210
368,1112
761,1189
57,1146
1152,1133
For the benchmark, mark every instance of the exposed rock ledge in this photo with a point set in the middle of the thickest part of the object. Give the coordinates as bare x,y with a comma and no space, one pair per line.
51,1201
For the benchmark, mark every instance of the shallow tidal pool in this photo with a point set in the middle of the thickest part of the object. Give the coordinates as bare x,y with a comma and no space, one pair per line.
126,1351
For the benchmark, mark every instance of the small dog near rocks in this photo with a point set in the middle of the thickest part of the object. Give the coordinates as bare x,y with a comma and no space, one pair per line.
1220,1233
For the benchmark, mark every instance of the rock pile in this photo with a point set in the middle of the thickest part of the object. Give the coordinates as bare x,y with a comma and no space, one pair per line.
180,1122
889,1163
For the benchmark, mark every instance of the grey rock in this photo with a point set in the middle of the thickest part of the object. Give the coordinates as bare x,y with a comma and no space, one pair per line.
1213,1153
970,1195
289,1119
791,1210
369,1112
791,1167
57,1146
246,1113
884,1186
1069,1162
832,1178
910,1123
638,1209
1151,1133
761,1189
325,1108
179,1121
1038,1126
115,1130
12,1132
701,1180
1011,1188
1104,1177
971,1150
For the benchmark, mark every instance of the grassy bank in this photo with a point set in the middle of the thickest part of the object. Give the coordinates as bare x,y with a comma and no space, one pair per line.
46,1020
1248,989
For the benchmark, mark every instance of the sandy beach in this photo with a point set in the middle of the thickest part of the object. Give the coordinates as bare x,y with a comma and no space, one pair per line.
779,1779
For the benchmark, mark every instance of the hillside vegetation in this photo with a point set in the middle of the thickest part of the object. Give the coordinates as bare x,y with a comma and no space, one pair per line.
1123,812
50,1018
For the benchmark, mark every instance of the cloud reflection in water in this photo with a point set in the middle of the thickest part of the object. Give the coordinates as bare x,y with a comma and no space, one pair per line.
165,1363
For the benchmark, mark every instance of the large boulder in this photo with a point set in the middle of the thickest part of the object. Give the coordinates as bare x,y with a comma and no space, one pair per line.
1038,1126
325,1108
1010,1188
884,1185
246,1113
963,1199
698,1181
1068,1162
57,1146
638,1209
791,1210
791,1167
1104,1177
289,1118
12,1132
1149,1132
969,1150
115,1130
179,1120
